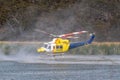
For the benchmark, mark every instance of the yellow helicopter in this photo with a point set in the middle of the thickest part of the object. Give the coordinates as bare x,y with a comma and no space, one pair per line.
61,43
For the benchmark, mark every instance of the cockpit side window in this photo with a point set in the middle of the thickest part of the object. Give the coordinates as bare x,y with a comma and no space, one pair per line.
49,47
53,47
45,45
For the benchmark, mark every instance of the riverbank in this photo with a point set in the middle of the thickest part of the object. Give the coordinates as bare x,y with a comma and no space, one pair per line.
96,48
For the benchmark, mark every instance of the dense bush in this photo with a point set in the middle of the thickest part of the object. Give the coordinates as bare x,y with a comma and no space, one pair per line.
100,16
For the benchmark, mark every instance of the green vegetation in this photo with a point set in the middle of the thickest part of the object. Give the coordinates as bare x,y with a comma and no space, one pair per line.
98,49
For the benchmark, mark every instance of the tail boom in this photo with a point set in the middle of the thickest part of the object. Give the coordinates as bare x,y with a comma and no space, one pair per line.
77,44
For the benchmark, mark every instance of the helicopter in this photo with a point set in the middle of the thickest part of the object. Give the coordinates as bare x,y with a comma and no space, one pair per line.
61,43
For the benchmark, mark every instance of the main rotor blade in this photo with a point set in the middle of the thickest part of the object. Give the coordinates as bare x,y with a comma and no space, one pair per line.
46,33
69,35
72,34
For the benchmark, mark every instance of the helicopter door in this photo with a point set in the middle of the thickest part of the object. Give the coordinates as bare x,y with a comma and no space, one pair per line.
59,48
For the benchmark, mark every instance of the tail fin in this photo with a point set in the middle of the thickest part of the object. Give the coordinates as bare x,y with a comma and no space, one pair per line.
92,36
77,44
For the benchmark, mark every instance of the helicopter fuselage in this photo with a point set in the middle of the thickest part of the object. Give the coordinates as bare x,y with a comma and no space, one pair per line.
56,46
60,45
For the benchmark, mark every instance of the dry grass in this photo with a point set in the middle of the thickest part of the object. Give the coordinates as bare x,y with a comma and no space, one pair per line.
106,43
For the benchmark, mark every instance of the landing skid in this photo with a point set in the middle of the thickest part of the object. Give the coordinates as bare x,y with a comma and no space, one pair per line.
55,54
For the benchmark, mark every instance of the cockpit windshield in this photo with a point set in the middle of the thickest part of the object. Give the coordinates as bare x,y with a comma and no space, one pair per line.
47,46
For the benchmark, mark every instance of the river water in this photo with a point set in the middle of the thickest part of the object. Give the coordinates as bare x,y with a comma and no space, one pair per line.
63,67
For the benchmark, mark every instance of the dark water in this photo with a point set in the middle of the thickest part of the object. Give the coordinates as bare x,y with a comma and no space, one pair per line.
39,71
